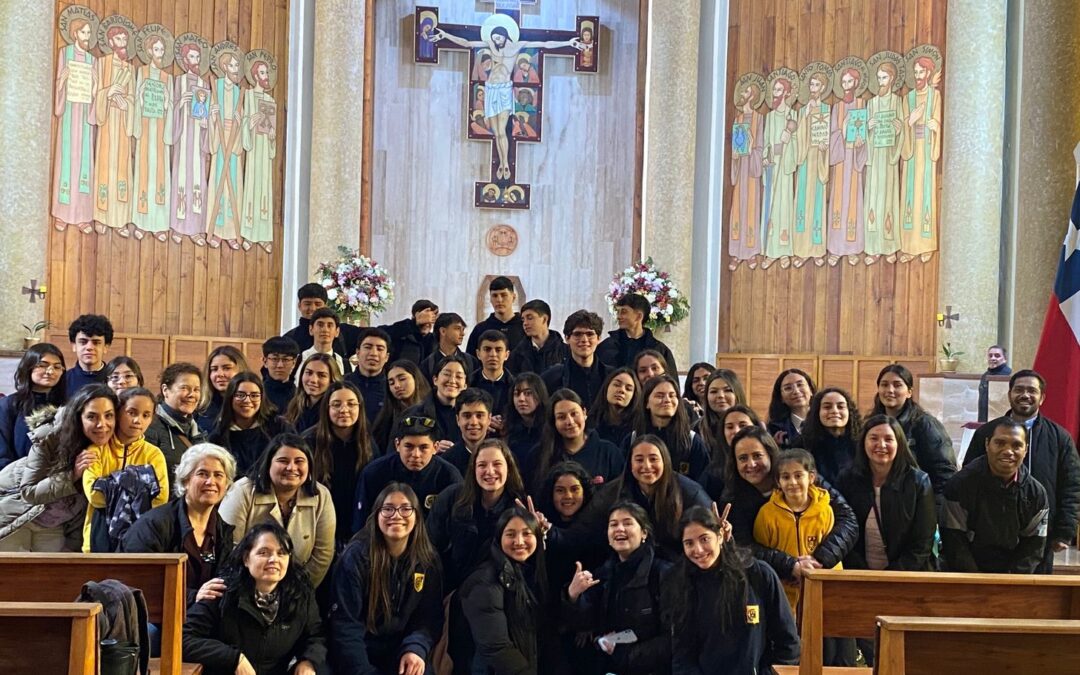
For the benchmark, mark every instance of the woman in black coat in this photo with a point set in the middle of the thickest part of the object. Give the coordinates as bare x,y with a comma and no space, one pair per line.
831,432
266,618
247,421
615,412
387,612
623,594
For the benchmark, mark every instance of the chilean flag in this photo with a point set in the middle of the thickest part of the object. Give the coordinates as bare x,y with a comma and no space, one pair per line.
1058,358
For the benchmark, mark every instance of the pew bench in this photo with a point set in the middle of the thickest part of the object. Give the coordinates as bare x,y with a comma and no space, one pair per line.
49,637
59,577
924,645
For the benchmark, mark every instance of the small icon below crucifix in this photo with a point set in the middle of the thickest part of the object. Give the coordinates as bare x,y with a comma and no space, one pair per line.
948,317
505,100
34,291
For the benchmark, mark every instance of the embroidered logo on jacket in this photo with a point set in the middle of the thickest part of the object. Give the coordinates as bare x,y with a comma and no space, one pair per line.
752,614
418,582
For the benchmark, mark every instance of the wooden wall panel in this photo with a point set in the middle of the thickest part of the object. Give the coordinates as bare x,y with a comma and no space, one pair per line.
882,308
154,287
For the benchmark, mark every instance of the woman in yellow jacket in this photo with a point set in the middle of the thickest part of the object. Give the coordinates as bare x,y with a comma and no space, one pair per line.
126,448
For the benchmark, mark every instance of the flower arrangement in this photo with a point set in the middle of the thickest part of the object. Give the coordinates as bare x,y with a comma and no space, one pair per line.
669,305
356,285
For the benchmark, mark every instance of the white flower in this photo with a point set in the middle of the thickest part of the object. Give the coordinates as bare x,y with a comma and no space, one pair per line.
651,297
672,293
669,310
331,293
383,293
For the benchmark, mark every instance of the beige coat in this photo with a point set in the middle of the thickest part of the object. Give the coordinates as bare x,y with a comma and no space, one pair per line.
311,525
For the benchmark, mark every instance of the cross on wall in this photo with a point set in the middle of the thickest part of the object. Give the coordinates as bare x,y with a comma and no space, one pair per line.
948,317
34,291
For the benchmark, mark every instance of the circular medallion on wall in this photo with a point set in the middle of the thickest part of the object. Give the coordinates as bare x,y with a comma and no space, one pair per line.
502,240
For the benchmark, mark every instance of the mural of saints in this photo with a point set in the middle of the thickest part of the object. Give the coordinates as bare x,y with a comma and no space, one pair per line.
153,131
226,150
259,137
885,128
747,136
114,115
779,161
812,177
191,113
73,201
847,154
919,155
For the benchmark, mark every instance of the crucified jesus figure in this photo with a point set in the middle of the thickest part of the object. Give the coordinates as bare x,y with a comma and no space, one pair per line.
499,34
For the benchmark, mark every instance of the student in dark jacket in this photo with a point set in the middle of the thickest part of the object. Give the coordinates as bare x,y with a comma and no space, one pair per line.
449,335
492,376
405,388
749,486
450,380
174,429
413,339
623,594
566,495
317,373
91,335
564,439
39,380
502,296
387,611
581,371
247,421
995,515
472,411
507,604
728,612
279,362
529,403
927,438
223,363
312,297
622,345
341,447
831,432
893,502
542,347
720,469
1051,458
617,410
266,618
192,524
372,355
413,462
666,417
789,405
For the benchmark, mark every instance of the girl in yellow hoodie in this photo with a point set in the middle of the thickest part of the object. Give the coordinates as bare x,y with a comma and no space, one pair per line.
126,448
798,516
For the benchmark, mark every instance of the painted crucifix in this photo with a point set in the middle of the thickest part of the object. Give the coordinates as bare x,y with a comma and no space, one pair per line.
505,97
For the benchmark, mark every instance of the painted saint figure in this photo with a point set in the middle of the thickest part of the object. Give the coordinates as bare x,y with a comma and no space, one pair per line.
153,137
427,49
847,154
811,180
259,135
886,139
73,202
499,34
920,154
114,115
524,72
747,136
223,221
779,162
190,144
587,55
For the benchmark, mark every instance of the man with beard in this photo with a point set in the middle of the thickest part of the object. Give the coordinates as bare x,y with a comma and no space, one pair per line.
72,200
153,136
920,154
883,175
260,142
114,114
744,242
189,149
225,149
499,88
1051,458
779,165
848,159
812,176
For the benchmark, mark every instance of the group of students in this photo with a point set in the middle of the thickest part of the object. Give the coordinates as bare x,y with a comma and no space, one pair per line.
583,515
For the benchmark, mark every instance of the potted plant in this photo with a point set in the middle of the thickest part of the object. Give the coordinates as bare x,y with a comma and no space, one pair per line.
357,286
950,358
32,333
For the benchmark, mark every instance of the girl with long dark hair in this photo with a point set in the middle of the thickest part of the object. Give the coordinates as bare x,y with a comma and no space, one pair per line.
223,363
39,381
616,411
565,439
722,391
405,388
831,432
730,422
525,415
667,418
247,421
789,405
316,374
694,388
123,372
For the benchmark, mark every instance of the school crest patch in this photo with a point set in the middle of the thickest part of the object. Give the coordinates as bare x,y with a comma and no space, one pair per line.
753,616
418,582
684,468
429,501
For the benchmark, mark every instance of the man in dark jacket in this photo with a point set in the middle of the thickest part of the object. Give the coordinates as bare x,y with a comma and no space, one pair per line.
542,347
372,354
622,345
449,334
581,371
995,515
309,298
279,360
1051,458
413,339
502,318
997,364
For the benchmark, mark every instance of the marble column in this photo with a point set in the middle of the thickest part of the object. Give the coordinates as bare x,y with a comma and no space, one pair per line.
26,110
668,201
972,188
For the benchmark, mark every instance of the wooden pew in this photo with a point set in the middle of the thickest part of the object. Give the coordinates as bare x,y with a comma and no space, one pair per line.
49,637
59,577
923,645
846,603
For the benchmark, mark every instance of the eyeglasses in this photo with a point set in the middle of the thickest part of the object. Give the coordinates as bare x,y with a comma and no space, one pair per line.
388,511
245,396
281,359
49,368
425,422
118,378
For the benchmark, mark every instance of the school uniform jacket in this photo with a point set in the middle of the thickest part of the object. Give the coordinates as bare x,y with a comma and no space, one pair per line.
618,350
427,483
512,329
526,358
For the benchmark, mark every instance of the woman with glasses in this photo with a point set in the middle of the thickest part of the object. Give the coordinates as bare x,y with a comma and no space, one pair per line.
247,421
174,428
123,372
191,524
387,612
38,382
